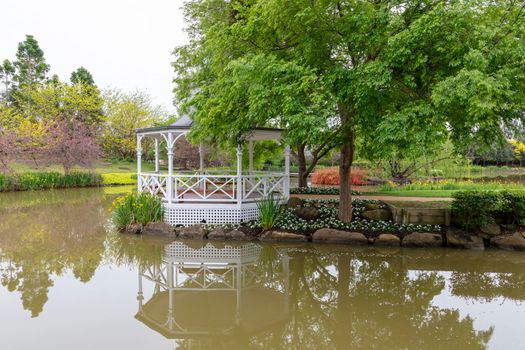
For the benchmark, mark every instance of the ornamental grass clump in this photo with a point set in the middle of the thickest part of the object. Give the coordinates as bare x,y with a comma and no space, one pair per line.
268,212
136,208
29,181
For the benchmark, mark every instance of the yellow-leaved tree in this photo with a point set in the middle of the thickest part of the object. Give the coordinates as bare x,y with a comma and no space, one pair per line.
125,112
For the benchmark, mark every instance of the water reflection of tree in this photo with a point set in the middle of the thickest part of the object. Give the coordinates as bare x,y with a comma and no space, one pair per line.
356,299
41,241
360,301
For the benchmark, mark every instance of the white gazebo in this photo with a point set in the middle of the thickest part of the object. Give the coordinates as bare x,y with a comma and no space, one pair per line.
214,291
205,196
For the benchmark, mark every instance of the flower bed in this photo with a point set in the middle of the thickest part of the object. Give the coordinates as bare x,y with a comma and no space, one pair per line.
328,218
320,191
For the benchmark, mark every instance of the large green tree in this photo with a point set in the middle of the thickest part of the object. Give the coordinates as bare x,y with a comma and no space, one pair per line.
30,69
392,74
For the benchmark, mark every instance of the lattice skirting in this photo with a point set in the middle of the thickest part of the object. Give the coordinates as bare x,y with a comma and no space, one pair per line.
213,214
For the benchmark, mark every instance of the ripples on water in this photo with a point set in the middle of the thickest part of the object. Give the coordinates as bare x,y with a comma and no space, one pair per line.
69,282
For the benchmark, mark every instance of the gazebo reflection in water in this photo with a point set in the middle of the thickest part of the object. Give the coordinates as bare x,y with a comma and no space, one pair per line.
208,289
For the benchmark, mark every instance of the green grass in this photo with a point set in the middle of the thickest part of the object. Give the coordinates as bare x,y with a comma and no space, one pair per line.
415,193
415,204
444,188
112,179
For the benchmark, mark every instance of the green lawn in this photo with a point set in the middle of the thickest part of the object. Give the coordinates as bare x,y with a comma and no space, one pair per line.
101,167
416,204
414,193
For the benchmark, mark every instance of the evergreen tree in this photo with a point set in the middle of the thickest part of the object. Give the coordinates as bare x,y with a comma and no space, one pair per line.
30,71
31,67
6,79
82,75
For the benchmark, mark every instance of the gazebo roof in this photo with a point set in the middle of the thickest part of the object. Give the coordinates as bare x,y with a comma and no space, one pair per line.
184,124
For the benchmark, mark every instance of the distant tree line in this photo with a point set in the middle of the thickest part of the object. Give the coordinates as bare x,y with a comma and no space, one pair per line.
46,121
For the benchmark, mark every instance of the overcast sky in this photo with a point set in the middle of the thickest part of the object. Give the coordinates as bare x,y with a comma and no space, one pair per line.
123,43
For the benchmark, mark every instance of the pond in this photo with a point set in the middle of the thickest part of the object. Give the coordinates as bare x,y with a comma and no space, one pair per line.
68,281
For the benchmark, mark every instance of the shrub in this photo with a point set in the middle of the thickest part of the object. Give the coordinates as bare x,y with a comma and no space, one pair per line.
320,190
268,212
7,183
474,209
513,205
136,208
330,176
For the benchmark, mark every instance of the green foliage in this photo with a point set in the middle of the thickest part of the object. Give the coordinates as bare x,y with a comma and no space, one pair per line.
401,78
513,205
31,67
82,75
475,209
124,113
7,182
47,180
320,190
136,208
449,185
268,212
328,218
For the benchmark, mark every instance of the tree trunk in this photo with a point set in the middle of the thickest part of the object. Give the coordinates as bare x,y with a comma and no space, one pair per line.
301,160
345,165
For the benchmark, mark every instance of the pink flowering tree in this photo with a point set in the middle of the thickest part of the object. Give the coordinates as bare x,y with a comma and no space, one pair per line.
71,143
8,149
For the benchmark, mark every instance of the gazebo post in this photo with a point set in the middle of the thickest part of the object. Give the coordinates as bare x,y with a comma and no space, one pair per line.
287,172
250,157
239,174
139,162
169,183
156,155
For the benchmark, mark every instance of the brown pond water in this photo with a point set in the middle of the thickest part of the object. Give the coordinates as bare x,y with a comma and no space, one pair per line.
69,282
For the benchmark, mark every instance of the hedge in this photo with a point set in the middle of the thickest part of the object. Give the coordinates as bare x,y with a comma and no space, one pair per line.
475,209
47,180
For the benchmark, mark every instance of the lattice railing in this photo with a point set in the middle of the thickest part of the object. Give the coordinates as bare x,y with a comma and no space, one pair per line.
209,188
195,187
258,186
155,184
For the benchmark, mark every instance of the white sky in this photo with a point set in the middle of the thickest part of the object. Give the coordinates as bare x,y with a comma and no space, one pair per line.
124,43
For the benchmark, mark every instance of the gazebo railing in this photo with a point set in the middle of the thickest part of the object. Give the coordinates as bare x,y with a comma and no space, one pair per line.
196,187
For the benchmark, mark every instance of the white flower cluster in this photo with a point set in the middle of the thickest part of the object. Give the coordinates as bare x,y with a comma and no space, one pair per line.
328,218
319,190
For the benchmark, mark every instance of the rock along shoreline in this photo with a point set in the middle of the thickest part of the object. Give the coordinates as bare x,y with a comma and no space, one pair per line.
452,238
